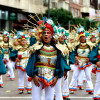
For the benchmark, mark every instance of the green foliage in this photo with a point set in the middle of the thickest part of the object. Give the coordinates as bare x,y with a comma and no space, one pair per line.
84,22
63,17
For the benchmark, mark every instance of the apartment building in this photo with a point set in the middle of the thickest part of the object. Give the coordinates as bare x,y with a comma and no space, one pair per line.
13,13
75,6
80,8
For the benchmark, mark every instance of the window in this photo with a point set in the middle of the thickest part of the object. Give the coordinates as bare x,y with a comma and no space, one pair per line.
54,4
74,1
99,1
77,1
73,12
83,2
78,13
45,2
4,15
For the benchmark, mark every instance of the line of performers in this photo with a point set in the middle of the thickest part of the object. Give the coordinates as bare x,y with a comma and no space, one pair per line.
45,55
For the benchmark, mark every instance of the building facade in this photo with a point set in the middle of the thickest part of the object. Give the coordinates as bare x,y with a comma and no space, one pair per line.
13,13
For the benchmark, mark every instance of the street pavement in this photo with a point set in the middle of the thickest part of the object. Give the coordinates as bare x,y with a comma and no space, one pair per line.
10,90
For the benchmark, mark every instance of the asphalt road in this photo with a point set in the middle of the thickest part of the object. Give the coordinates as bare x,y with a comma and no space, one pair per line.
10,90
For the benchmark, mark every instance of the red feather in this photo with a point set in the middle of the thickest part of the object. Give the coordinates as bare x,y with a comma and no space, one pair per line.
40,22
49,27
81,33
19,56
98,56
23,36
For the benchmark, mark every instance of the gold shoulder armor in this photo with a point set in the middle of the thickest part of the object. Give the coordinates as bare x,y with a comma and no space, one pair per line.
38,45
63,48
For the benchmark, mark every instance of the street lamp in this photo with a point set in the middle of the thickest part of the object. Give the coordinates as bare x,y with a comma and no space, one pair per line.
48,8
70,11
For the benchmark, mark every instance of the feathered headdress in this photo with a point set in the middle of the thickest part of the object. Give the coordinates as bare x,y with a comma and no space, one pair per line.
6,34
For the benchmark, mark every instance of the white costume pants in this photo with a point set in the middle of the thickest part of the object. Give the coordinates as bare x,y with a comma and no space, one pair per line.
58,91
11,67
1,81
66,87
97,86
21,80
80,79
72,66
85,76
36,92
73,84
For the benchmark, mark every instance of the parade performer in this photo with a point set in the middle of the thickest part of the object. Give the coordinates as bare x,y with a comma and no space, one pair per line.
45,64
72,43
9,54
2,67
12,57
96,69
22,60
62,35
92,42
82,63
6,47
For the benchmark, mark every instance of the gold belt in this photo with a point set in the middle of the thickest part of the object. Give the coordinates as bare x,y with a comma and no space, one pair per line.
6,53
82,57
25,57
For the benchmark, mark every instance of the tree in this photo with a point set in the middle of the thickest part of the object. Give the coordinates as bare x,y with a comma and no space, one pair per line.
61,15
84,22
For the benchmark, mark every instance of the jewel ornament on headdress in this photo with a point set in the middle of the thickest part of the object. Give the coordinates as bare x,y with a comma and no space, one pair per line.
49,28
91,42
33,31
23,37
55,36
50,21
42,25
5,34
15,38
20,33
61,31
40,22
93,35
47,25
81,31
